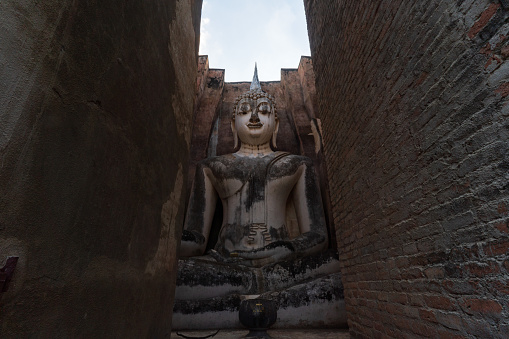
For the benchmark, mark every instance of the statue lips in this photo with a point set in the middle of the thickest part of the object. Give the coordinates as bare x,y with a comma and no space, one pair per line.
256,125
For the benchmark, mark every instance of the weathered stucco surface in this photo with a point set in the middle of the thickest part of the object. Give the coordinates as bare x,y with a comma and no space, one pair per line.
95,125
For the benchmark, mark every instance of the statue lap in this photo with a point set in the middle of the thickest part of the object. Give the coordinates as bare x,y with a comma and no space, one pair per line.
308,290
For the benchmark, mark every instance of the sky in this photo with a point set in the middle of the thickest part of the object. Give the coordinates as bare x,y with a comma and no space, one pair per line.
237,33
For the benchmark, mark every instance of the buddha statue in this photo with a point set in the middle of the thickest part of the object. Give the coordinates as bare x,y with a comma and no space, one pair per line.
254,185
259,252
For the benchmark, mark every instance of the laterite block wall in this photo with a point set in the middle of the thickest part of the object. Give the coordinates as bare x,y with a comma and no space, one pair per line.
413,97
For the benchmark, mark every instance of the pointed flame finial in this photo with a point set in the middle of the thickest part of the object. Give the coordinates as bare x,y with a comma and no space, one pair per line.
255,84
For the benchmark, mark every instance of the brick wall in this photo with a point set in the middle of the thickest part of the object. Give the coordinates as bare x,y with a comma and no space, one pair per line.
413,97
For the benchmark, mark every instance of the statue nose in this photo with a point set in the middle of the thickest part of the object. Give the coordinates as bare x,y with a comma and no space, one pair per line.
254,117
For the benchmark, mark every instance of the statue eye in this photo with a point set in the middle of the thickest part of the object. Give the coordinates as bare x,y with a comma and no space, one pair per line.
244,109
264,109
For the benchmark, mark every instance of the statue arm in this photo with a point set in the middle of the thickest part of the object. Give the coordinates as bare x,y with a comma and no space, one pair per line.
200,212
310,215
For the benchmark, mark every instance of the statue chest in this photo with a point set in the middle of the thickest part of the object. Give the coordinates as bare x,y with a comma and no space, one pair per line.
252,180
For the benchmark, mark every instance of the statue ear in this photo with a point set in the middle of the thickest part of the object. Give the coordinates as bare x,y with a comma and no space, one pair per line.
235,136
274,134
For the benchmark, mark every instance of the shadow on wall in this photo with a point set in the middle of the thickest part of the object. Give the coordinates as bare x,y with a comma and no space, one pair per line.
96,103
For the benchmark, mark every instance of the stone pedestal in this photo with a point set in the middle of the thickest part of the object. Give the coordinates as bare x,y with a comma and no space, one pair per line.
309,293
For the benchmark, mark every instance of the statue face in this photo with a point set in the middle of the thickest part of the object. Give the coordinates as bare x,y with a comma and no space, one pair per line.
255,121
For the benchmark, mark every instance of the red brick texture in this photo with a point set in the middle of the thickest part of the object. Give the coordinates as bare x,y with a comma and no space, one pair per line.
413,98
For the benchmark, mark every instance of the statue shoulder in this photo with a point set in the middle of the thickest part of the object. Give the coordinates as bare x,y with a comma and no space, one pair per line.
218,165
294,159
217,160
286,164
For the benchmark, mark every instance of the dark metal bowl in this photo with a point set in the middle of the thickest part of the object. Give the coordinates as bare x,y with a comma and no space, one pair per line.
258,315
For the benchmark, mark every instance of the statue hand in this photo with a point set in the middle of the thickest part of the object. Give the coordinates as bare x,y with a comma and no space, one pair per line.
192,244
273,252
193,236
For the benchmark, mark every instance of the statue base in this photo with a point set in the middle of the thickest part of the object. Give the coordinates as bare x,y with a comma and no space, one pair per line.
258,334
309,293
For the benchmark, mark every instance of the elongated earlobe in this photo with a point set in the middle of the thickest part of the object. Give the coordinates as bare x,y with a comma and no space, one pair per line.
235,136
274,134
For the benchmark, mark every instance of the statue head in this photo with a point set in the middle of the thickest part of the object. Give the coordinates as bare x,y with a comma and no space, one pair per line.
254,118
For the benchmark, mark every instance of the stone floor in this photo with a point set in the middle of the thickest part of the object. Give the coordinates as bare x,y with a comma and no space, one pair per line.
276,334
